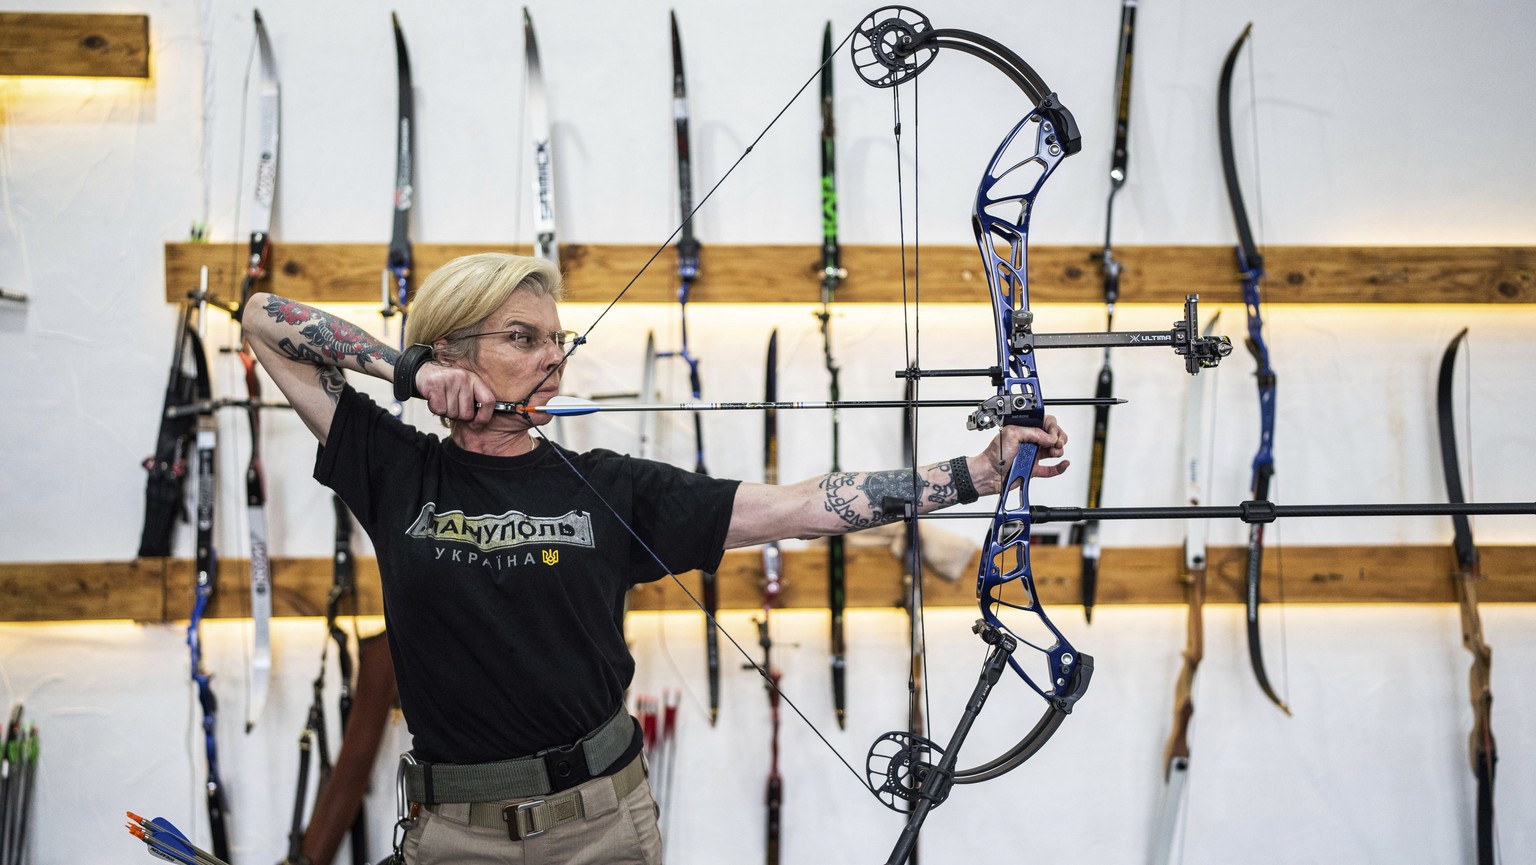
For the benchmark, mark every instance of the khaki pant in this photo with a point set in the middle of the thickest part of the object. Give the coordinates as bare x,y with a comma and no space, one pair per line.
613,832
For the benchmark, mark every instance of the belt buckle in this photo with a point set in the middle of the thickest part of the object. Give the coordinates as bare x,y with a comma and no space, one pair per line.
566,766
513,816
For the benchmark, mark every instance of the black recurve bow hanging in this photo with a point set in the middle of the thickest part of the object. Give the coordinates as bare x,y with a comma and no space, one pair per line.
1251,267
832,273
167,467
687,272
1482,752
773,574
397,270
206,584
1087,534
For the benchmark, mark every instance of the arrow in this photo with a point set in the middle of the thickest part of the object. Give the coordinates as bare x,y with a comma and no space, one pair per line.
570,406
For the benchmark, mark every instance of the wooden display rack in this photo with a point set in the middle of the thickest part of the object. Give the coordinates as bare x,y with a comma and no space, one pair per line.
86,46
350,273
161,589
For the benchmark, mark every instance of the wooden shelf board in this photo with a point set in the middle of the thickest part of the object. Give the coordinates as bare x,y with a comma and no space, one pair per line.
92,46
350,273
161,589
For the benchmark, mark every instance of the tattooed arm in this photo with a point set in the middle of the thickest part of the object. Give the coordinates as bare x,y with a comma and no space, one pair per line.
848,501
306,349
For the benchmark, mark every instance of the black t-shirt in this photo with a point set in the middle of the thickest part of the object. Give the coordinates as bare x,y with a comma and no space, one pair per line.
504,577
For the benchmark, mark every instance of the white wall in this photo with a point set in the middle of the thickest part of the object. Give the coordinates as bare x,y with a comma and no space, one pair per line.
1377,123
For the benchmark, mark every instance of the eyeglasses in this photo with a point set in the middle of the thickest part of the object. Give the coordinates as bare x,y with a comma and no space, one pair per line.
529,339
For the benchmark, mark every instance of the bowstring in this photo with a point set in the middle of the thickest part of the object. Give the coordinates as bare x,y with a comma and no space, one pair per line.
665,244
911,322
696,602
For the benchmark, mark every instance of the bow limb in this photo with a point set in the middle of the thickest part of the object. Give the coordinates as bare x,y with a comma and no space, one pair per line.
1251,267
397,280
1481,748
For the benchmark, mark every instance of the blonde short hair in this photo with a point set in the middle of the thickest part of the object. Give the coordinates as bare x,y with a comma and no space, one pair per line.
461,294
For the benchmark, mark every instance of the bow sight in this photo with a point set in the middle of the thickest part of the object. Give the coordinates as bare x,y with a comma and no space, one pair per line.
1199,352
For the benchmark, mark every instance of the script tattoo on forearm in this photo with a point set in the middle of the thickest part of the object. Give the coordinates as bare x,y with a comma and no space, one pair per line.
944,493
330,340
858,499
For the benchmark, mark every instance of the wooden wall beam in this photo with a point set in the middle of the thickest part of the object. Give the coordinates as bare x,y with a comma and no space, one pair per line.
350,273
161,589
94,46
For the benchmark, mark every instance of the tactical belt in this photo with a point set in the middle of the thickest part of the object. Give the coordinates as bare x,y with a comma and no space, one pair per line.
549,771
534,817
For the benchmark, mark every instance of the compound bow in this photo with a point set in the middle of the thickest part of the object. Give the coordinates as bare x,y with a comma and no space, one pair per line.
893,45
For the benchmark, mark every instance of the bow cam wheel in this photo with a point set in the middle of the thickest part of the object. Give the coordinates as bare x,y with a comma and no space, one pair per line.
897,764
887,49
